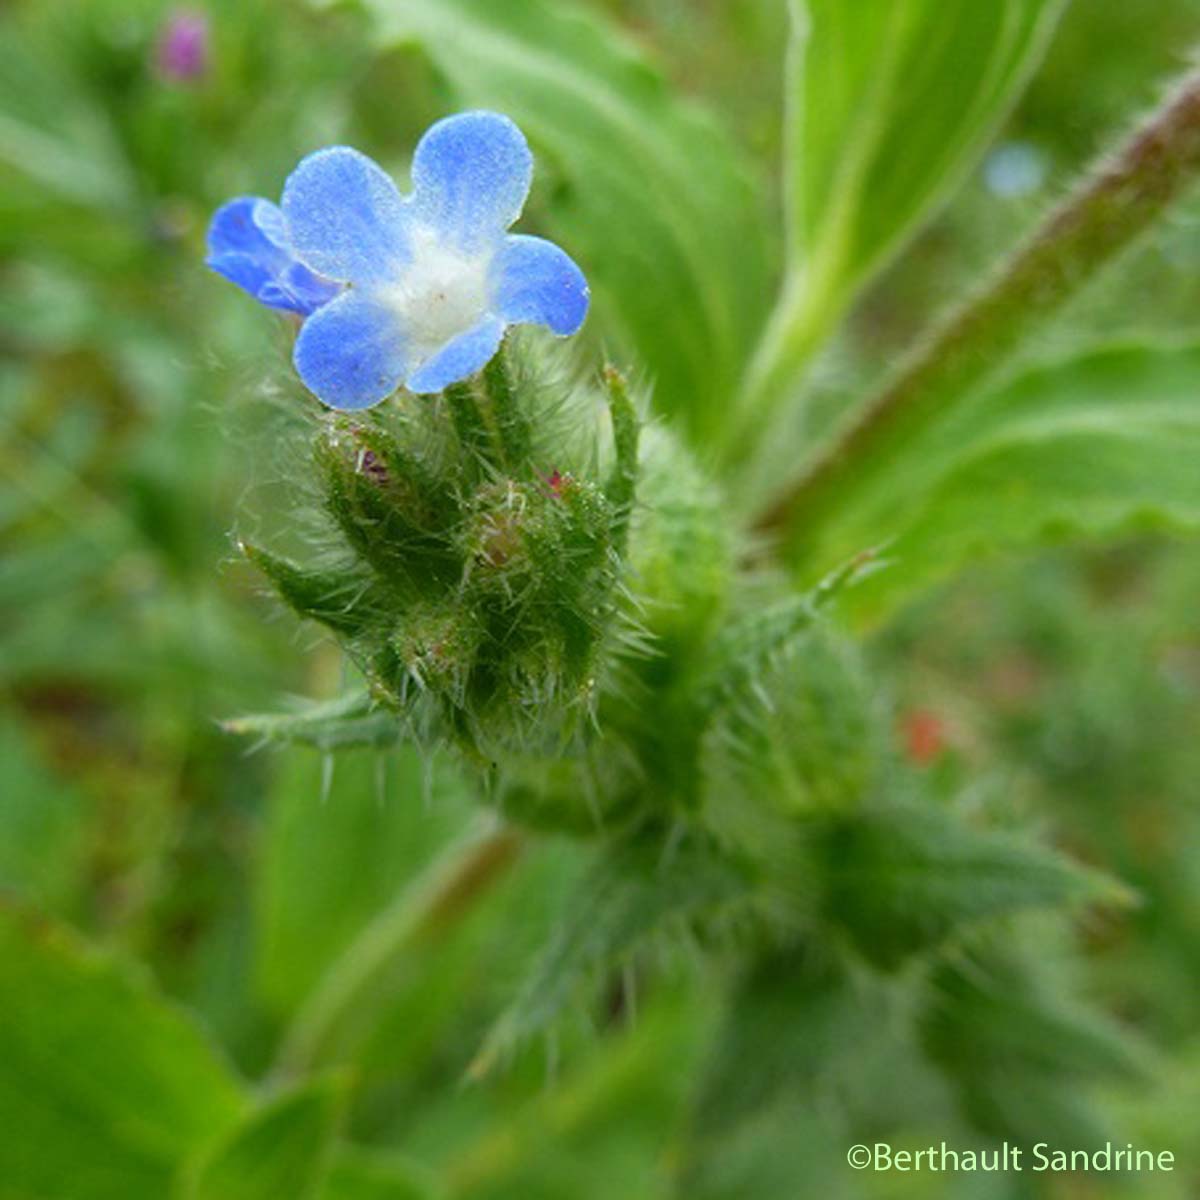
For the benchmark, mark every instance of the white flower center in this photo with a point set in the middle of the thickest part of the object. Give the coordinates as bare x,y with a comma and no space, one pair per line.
441,294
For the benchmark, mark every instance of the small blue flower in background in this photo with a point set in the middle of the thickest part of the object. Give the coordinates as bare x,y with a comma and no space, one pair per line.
398,290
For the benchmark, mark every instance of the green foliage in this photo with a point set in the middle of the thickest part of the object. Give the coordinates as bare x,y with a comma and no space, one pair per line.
1018,1049
1095,444
42,846
280,1150
93,1062
787,1015
892,104
889,105
642,888
351,720
365,1175
335,850
749,891
904,879
774,1094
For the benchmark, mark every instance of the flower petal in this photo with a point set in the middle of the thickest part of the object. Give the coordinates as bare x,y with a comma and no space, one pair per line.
247,245
345,217
471,174
238,248
535,282
459,358
249,274
234,230
299,290
351,353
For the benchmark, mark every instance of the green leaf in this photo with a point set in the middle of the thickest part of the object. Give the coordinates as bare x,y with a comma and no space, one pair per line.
610,1109
359,1174
350,720
893,101
331,862
651,199
1090,446
52,131
636,889
902,880
282,1149
779,1086
1021,1049
889,102
105,1088
784,1020
42,823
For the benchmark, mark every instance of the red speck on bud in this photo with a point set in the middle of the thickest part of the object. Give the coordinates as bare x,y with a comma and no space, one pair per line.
924,736
558,482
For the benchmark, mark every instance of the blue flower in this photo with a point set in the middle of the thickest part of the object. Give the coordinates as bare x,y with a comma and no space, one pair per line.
425,284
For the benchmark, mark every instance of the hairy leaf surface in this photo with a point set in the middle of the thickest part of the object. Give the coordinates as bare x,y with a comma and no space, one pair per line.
634,891
1091,446
903,880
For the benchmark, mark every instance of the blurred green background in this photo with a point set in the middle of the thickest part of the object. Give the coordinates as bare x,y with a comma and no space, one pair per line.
143,421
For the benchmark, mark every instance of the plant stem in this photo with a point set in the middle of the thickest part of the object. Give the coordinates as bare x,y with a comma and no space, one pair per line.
1116,201
345,1004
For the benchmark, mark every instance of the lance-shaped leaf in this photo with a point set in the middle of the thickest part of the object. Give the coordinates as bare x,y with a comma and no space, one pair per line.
1090,446
350,720
637,889
892,102
778,1082
902,880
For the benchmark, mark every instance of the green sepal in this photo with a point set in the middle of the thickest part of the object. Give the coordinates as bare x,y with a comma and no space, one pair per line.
339,599
352,720
621,485
390,510
508,421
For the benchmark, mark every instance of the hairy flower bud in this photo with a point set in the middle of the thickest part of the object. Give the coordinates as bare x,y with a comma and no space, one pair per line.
480,585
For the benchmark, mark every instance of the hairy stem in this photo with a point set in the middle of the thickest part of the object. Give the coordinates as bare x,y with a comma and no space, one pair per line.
344,1006
1115,202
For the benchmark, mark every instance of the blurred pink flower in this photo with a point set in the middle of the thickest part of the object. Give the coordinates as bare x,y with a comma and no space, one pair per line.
182,53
